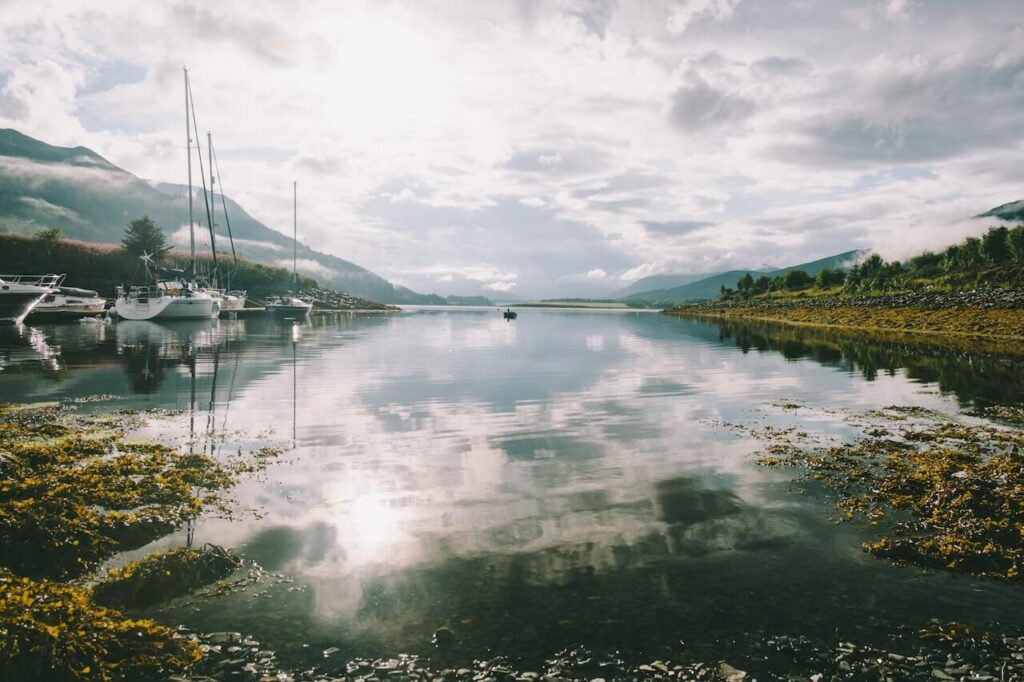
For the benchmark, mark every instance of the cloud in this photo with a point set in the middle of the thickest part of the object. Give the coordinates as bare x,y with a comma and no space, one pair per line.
546,140
596,273
697,106
675,227
688,11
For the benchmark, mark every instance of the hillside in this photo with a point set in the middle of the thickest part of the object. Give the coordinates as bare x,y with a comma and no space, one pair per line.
91,199
710,287
1011,211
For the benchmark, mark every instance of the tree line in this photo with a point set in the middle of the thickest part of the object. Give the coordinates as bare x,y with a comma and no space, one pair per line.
997,257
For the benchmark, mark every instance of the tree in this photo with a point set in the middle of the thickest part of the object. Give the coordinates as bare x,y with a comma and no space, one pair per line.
1016,242
144,236
745,283
830,277
762,284
797,279
995,245
50,235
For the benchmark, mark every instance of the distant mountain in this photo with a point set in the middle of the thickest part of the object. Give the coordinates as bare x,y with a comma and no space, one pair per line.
656,282
711,286
1013,210
91,199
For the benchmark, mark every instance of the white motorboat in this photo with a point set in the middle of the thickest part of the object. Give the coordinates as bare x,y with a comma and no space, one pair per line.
19,294
165,301
70,303
287,306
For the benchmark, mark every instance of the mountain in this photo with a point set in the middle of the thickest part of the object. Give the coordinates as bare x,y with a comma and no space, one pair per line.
711,286
1013,210
91,199
656,282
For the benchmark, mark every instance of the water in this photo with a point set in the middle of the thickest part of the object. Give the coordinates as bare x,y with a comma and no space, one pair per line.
565,478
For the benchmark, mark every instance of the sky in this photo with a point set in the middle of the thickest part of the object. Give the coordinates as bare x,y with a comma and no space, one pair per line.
530,148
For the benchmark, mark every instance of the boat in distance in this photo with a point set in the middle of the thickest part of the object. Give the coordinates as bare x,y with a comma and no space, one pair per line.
19,294
287,306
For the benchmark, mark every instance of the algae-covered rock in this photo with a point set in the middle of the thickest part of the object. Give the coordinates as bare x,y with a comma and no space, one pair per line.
164,575
54,632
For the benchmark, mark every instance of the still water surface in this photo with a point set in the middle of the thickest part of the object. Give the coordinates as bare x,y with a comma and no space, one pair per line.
569,477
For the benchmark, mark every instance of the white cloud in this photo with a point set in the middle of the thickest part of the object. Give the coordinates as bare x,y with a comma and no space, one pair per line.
501,147
596,274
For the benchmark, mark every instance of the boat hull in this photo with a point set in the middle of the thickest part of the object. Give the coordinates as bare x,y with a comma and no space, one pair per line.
288,311
167,308
16,305
67,312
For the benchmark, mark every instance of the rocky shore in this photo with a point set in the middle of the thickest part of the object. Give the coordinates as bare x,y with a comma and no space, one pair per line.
937,652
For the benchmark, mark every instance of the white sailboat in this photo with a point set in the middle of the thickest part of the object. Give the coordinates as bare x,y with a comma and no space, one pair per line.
290,305
230,300
171,299
19,294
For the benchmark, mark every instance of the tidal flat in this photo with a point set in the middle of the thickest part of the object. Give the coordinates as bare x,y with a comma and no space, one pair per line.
577,495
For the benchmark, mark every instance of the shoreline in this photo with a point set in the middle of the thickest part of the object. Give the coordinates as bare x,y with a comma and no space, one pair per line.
961,321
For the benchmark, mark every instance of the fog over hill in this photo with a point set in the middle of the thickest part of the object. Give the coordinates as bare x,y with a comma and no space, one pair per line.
89,198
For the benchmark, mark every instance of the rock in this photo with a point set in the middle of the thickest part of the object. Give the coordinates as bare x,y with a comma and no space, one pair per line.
443,638
729,673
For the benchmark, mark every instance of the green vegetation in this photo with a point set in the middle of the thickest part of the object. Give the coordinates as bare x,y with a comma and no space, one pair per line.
74,492
164,575
143,236
994,259
945,494
103,268
53,631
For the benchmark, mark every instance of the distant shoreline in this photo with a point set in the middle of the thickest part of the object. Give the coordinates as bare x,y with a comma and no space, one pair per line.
995,318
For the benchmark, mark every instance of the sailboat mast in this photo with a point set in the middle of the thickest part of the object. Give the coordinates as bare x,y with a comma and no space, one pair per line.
295,233
211,207
188,147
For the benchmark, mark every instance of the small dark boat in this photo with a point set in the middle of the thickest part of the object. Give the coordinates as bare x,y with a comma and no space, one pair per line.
509,315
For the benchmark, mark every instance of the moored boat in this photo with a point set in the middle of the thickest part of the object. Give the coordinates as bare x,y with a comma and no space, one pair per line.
69,303
165,301
287,306
19,294
290,305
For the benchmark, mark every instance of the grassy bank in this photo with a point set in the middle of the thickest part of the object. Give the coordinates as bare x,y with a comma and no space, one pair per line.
954,321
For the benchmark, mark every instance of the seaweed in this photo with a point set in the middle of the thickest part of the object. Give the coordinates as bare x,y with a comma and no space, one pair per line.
162,576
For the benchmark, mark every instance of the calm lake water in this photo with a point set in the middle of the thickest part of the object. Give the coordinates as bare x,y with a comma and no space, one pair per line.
569,477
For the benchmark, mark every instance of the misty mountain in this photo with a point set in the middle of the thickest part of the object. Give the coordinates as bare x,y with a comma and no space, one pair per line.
91,199
657,282
1013,210
711,285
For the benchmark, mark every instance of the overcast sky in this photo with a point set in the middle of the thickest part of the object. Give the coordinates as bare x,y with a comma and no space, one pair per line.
559,147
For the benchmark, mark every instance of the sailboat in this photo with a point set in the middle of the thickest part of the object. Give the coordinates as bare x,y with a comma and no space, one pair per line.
180,298
230,300
290,305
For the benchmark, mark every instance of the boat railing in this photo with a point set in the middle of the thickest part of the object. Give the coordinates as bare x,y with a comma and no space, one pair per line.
50,281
